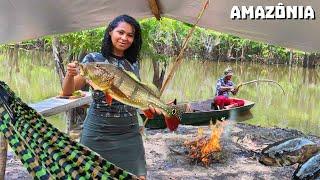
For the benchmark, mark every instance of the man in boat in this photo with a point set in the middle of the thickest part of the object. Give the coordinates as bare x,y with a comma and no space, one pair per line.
225,86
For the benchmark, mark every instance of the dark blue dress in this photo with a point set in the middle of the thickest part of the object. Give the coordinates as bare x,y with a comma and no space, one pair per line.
113,131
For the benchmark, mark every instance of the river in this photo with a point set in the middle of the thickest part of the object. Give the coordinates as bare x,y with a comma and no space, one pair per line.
298,108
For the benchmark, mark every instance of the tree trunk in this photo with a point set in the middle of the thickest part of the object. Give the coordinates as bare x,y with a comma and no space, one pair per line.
312,60
229,53
81,56
242,53
157,76
11,61
176,44
290,57
58,59
16,57
3,155
305,61
75,115
61,73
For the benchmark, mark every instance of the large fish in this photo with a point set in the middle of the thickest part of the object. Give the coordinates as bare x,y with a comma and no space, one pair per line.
125,87
309,170
288,152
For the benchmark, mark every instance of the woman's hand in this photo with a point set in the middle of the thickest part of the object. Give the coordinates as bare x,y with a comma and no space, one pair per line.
72,69
159,111
72,81
155,110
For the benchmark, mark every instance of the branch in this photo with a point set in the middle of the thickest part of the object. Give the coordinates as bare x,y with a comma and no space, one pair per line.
179,59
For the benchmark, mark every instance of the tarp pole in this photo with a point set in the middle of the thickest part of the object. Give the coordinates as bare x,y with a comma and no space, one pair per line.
3,156
179,58
155,8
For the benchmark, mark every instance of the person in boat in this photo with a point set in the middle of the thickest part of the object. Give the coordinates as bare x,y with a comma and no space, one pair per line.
225,86
113,131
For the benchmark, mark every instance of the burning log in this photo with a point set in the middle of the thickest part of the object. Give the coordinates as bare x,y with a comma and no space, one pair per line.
206,150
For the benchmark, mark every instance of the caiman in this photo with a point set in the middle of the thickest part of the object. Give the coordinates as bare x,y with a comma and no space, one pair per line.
288,152
125,87
309,170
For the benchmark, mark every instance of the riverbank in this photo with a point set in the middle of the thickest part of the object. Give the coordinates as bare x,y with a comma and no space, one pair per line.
241,146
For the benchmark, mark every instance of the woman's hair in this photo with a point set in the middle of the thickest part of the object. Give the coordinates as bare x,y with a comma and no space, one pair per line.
132,53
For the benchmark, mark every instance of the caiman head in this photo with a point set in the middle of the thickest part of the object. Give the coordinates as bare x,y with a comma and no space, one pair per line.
98,74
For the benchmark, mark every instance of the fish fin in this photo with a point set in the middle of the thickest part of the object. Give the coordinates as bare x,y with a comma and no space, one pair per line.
131,74
108,99
172,122
173,102
152,89
148,113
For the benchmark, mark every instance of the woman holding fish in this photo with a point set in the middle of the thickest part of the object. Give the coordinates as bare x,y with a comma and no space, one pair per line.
111,128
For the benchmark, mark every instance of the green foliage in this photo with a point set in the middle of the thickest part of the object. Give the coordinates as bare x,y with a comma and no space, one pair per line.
163,39
87,40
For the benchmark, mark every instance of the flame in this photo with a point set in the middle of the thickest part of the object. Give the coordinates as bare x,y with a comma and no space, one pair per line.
200,132
213,144
202,148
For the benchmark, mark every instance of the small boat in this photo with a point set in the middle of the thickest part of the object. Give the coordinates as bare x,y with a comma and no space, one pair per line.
202,113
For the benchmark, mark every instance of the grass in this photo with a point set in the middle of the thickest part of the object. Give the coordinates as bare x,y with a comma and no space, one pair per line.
35,81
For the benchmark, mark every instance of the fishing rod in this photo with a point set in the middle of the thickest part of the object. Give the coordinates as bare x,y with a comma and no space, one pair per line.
260,80
179,58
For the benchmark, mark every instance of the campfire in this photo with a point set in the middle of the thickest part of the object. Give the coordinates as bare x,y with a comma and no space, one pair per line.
206,150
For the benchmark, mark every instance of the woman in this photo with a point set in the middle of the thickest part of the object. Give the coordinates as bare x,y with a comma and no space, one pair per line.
113,131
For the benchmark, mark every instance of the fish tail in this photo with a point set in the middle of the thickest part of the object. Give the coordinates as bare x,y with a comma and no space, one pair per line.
172,122
148,113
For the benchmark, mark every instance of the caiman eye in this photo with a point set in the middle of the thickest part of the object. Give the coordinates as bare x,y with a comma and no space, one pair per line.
97,65
174,111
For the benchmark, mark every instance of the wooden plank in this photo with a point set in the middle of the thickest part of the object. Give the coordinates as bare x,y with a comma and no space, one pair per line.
56,105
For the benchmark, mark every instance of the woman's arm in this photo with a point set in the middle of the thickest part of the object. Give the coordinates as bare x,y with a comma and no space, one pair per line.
73,81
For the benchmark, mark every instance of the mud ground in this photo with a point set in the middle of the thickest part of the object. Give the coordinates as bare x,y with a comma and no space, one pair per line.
241,144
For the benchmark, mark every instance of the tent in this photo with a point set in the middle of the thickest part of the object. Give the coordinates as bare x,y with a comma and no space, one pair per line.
28,19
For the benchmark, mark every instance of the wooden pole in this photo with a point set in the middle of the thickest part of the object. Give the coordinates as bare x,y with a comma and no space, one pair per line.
3,155
155,8
179,58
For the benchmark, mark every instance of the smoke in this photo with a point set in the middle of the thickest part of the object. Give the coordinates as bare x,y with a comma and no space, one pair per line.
229,125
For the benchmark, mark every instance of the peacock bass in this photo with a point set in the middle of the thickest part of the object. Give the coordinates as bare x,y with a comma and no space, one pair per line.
125,87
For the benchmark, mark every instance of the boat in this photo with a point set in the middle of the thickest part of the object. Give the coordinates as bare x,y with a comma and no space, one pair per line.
202,113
